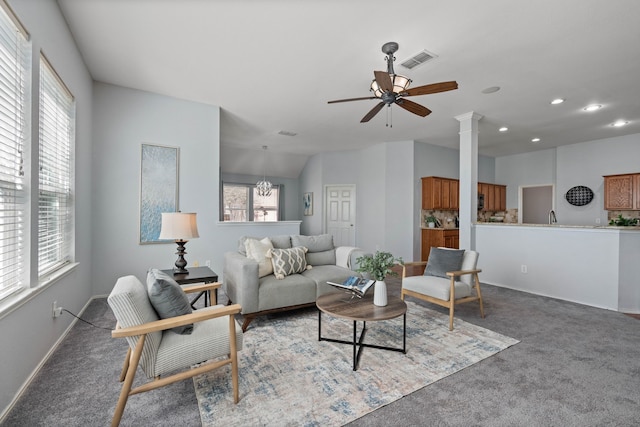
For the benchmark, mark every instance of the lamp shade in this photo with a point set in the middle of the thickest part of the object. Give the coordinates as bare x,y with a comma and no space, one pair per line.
178,226
400,84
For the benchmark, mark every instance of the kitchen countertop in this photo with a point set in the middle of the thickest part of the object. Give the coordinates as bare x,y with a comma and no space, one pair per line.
590,227
440,228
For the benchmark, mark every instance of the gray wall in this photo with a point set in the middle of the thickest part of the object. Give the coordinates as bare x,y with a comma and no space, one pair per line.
29,332
292,201
124,120
568,166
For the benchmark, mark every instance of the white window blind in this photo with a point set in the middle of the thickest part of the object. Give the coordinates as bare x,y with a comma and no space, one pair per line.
57,115
14,53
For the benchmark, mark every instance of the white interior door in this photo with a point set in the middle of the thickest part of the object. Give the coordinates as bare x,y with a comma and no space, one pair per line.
340,208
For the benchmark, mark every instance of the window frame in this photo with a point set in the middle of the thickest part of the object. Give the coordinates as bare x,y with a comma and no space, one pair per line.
251,208
56,172
15,109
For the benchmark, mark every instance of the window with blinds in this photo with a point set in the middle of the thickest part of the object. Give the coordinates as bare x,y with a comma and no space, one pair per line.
14,54
55,198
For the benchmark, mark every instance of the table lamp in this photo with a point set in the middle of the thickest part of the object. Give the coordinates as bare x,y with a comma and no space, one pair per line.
180,227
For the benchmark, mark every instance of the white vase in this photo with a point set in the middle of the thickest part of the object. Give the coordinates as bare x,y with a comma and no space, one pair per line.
380,293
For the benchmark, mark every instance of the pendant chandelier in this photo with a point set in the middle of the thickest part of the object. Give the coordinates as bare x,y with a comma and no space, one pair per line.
264,187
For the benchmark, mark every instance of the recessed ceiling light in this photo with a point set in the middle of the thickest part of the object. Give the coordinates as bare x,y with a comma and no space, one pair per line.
287,133
557,101
620,123
592,107
503,129
491,89
535,140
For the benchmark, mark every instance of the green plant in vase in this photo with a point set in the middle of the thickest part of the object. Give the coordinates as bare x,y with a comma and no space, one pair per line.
430,220
378,266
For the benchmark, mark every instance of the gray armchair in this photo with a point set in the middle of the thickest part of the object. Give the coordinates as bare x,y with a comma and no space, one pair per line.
160,351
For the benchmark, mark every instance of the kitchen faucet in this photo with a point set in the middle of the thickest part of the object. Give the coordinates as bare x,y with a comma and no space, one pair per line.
552,217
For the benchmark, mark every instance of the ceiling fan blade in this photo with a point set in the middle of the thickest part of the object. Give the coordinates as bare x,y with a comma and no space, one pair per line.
432,88
351,99
372,113
413,107
384,81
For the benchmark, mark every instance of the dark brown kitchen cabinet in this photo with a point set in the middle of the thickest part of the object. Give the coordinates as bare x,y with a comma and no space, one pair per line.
440,193
439,237
495,196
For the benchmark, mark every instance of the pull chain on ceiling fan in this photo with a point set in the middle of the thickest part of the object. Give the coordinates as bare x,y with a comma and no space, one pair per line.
391,88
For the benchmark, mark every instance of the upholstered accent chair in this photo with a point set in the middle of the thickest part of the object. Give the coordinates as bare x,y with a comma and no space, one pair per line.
446,281
160,351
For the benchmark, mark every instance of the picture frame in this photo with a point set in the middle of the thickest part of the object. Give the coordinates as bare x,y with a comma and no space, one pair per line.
307,200
159,169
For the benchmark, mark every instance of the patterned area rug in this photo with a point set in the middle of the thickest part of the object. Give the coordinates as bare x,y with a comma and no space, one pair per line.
288,377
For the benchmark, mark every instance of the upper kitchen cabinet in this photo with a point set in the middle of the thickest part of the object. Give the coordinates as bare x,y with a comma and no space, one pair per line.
622,192
495,196
440,193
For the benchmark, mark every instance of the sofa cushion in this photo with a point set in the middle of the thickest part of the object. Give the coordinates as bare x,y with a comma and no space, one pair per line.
436,287
442,260
320,248
291,291
242,248
320,243
281,242
288,261
257,250
168,298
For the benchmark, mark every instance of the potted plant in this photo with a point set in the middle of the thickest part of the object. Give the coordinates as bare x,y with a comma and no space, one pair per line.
623,222
378,266
431,221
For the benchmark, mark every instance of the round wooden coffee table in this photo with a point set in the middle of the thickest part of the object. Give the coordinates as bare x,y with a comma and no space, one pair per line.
343,305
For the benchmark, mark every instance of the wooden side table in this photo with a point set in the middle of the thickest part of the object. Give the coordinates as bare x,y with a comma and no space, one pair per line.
197,275
340,305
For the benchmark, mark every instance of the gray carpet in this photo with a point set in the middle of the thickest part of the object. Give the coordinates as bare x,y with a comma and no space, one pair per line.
575,366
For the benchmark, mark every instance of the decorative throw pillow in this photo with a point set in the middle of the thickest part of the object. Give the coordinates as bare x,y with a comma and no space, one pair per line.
168,298
257,250
288,261
442,260
320,248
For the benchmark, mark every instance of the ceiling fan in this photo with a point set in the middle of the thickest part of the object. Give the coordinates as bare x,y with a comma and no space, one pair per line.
391,88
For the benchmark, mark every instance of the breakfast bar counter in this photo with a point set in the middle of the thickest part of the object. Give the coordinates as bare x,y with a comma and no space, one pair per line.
593,265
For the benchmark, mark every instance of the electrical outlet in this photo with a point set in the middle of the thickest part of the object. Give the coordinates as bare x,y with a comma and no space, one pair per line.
208,263
523,268
55,310
597,220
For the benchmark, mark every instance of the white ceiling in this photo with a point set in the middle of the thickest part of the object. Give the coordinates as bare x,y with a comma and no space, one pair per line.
272,65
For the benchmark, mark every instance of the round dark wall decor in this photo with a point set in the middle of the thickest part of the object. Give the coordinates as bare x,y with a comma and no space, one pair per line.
579,195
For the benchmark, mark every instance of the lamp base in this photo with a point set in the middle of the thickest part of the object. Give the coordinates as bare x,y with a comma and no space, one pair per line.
181,263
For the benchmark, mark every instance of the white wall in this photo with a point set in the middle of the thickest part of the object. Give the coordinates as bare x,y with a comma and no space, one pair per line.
585,164
568,166
574,264
124,120
29,332
535,168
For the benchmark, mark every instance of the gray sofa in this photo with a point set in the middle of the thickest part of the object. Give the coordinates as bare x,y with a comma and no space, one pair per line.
268,294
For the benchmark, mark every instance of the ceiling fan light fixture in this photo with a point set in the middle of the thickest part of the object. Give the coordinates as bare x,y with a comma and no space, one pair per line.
400,84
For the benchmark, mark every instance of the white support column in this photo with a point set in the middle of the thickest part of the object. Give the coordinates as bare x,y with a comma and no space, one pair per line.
468,213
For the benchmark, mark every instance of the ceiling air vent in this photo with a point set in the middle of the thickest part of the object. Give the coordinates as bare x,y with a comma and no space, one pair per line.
418,59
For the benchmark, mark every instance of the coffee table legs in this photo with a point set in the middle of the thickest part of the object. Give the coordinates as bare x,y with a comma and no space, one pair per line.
358,343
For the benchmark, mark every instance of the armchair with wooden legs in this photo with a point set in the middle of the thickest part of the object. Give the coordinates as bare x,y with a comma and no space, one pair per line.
457,288
159,351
